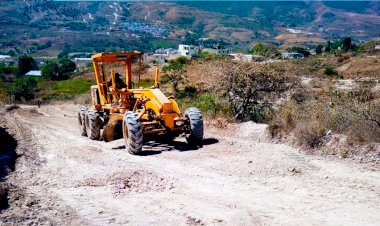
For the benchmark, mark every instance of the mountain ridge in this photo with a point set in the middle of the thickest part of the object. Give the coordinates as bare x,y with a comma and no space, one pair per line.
149,25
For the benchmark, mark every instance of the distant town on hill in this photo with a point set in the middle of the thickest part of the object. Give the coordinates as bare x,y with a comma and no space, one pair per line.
51,29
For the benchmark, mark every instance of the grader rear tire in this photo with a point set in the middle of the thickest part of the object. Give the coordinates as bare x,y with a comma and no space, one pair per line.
92,122
194,115
132,133
81,120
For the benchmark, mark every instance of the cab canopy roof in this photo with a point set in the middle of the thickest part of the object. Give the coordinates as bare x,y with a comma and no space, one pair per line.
115,57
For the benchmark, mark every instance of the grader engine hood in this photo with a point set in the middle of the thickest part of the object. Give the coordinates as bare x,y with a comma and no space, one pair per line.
165,108
158,102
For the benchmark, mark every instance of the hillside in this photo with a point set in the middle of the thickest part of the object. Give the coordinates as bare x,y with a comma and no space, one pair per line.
46,28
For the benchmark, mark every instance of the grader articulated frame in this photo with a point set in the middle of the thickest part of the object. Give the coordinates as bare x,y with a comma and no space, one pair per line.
130,113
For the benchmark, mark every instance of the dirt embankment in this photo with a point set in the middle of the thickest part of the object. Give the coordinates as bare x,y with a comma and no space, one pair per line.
238,177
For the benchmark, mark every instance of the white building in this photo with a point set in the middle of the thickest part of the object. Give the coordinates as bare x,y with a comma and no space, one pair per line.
81,61
160,58
241,57
188,50
222,52
287,55
2,57
34,73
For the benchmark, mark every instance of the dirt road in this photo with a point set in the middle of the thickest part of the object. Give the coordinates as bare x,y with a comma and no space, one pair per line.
238,177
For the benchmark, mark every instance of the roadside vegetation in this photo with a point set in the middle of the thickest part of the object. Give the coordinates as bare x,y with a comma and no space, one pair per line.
326,103
60,80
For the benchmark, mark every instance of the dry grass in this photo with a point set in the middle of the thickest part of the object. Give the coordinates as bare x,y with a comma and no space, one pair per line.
298,39
311,118
310,133
363,68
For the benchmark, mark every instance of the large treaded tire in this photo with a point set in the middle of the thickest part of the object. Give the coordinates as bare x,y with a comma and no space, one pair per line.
132,133
81,120
92,122
194,115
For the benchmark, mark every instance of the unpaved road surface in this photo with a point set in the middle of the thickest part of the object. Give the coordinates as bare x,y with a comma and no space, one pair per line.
238,177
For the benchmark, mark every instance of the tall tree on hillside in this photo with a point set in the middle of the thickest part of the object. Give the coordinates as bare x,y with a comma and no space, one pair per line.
60,70
25,64
328,47
51,71
298,49
264,50
67,67
318,49
347,42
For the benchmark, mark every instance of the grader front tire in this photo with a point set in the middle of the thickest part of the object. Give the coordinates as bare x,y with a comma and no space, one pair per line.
82,120
132,133
92,122
194,115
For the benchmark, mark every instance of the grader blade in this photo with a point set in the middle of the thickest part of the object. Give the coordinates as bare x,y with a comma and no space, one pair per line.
109,132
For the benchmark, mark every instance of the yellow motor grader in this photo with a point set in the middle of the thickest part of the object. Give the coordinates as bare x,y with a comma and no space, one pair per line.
121,110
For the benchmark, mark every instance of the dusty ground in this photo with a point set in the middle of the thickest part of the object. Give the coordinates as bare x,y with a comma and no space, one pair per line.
238,177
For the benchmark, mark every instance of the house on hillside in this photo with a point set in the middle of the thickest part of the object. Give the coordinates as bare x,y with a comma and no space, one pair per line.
169,51
160,58
34,73
188,50
292,55
217,50
82,61
241,57
221,52
7,60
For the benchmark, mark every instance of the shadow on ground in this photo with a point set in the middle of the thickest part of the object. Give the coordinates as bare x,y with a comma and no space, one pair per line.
156,145
8,158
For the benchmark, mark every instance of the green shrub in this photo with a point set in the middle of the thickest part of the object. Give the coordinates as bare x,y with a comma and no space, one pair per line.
264,50
11,69
22,88
330,71
260,114
209,104
165,79
187,91
176,64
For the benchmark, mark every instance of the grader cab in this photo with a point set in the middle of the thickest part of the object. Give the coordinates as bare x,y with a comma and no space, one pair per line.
119,109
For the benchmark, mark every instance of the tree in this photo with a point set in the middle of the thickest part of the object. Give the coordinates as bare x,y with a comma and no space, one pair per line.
11,53
300,50
51,71
67,67
176,64
347,44
259,49
250,88
22,87
318,49
25,64
60,70
328,47
264,50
